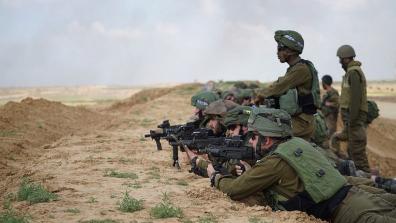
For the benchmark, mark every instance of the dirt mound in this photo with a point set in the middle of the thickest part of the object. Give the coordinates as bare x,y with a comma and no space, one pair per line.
27,125
382,146
147,95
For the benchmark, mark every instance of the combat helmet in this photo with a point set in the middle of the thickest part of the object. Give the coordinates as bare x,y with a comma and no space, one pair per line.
202,99
219,107
290,39
270,122
346,51
237,116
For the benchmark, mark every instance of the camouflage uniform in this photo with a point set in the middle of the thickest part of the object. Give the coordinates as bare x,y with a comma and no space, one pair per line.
297,76
300,75
330,112
353,103
283,181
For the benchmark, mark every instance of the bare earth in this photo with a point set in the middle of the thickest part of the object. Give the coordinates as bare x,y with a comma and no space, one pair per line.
70,149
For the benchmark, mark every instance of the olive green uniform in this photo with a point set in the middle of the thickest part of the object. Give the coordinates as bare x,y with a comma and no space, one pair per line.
273,173
353,103
330,112
297,76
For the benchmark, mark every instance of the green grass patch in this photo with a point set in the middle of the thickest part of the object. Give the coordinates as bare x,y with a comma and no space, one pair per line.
73,210
154,175
113,173
258,220
34,193
166,209
100,221
130,204
182,182
147,122
125,161
210,218
9,215
92,200
134,185
7,133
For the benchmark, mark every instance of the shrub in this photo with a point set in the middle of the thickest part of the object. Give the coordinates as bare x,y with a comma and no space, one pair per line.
130,204
34,193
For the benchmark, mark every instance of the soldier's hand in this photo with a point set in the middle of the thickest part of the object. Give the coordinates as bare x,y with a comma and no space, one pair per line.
240,170
210,169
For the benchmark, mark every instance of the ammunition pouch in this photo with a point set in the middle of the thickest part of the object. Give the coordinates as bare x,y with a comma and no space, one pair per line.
289,102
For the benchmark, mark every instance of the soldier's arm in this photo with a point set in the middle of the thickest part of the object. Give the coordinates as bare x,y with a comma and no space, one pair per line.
333,99
356,96
261,176
298,75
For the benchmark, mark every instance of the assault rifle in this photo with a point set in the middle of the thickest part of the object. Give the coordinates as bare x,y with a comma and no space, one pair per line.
232,148
178,136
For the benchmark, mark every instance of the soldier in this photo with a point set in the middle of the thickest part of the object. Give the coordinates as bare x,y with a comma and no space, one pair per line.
200,101
295,176
330,104
353,103
300,82
214,116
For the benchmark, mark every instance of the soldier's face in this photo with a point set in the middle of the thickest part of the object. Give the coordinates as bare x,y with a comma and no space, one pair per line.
282,54
235,130
344,62
214,124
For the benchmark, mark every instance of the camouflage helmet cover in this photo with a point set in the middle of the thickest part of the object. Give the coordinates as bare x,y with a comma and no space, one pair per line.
237,116
202,99
245,93
346,51
290,39
270,122
220,107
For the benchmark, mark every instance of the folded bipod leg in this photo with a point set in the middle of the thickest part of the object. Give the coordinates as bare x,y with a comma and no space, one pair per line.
176,156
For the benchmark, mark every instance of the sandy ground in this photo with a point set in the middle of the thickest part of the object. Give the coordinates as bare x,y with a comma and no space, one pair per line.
69,150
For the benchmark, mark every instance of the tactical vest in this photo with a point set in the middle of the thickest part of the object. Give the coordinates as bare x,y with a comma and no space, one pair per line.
321,180
294,103
346,88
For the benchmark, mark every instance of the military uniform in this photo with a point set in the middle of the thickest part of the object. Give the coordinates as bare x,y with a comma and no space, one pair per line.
278,178
301,76
330,112
353,103
297,76
296,176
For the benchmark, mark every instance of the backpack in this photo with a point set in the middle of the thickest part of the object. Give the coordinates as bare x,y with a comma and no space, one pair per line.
373,111
320,133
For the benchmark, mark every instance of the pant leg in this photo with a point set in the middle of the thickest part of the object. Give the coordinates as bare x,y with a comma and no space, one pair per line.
336,138
361,206
331,122
357,142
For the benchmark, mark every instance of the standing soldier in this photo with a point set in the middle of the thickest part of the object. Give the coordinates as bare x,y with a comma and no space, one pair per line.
353,103
330,104
298,90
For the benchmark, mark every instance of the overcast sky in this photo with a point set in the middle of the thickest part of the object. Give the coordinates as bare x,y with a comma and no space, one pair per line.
130,42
